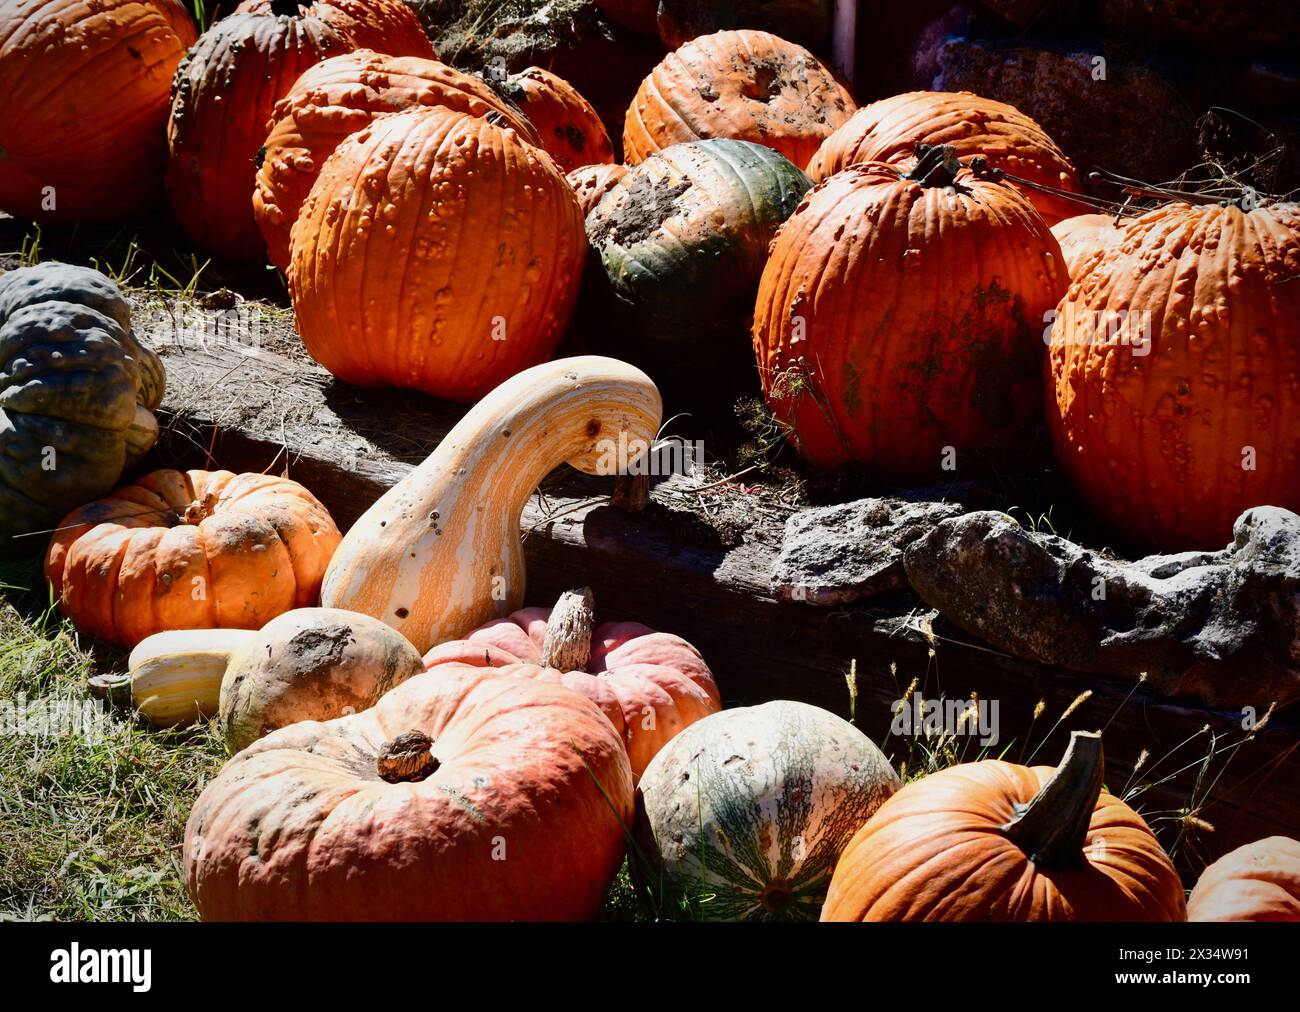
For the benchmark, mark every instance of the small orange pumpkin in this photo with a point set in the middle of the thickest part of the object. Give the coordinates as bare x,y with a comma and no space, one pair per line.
1257,882
569,128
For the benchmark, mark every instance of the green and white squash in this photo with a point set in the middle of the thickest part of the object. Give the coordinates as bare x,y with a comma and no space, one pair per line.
744,814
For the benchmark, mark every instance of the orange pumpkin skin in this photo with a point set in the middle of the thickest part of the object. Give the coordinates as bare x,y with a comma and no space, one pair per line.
1173,365
337,98
385,26
890,130
895,320
591,182
1085,236
484,229
932,853
744,84
568,126
85,106
190,550
299,827
634,673
1257,882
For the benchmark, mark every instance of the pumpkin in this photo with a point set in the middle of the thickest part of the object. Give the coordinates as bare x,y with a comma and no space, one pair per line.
386,26
77,393
649,684
458,797
1083,236
223,96
439,553
747,85
743,815
1257,882
85,90
190,550
591,182
899,318
890,131
456,264
569,129
994,841
1173,400
174,677
337,98
684,235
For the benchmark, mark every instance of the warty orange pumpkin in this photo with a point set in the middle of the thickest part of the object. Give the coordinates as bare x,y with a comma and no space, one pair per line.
569,129
85,88
591,182
1084,236
1257,882
436,251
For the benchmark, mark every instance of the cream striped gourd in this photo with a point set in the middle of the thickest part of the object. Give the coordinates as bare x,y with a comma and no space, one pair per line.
176,675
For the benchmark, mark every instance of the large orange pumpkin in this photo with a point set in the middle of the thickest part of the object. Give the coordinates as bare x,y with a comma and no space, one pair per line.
1084,236
890,131
223,97
744,84
386,26
649,684
337,98
1175,373
436,251
568,126
993,841
1257,882
85,85
900,316
457,797
190,550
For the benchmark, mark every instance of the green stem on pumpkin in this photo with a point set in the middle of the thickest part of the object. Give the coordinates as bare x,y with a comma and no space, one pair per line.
1052,828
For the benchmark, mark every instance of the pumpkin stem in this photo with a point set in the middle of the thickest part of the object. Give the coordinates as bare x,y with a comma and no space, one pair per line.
408,758
631,492
567,646
936,165
1053,827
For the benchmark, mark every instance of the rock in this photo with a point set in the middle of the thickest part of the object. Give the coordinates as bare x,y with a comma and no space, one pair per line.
1214,24
836,554
1220,627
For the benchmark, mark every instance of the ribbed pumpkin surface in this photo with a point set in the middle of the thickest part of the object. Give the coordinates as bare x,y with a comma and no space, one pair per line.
894,320
1172,445
385,26
1257,882
569,129
1085,236
436,251
890,130
684,235
337,98
748,85
83,87
591,182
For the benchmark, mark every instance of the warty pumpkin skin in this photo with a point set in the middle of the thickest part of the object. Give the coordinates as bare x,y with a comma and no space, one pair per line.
897,318
85,106
520,814
890,130
439,553
591,182
1257,882
994,841
339,97
568,127
1084,236
385,26
77,393
743,84
436,251
190,550
650,685
1174,373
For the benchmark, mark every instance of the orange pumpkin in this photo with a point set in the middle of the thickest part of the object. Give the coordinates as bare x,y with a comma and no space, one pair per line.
993,841
569,128
190,550
1257,882
1085,235
747,85
650,685
890,131
591,182
337,98
1174,360
85,90
454,798
455,265
900,316
386,26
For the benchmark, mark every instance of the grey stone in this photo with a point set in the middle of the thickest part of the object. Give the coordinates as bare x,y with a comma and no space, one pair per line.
1219,627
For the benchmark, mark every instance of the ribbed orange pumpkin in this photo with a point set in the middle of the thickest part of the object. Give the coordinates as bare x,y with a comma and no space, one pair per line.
85,85
890,131
569,128
899,320
591,182
748,85
1257,882
337,98
1175,373
1084,236
190,550
436,251
993,841
385,26
222,99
